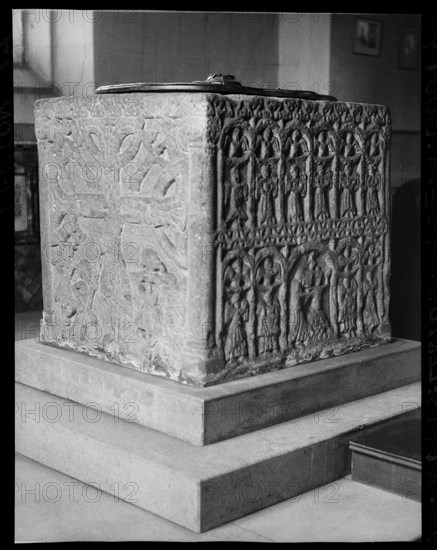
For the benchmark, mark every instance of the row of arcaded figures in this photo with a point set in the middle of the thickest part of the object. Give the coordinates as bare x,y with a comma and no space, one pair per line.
309,320
325,144
278,199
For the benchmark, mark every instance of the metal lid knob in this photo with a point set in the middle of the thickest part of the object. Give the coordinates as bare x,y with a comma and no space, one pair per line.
219,78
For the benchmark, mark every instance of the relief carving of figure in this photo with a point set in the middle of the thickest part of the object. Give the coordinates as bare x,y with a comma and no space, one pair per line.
374,146
85,317
266,193
295,189
315,281
153,281
236,310
373,184
324,146
370,316
270,323
70,295
372,258
347,293
348,184
349,146
322,184
267,145
296,144
236,194
298,323
236,146
67,305
70,235
238,315
268,280
75,299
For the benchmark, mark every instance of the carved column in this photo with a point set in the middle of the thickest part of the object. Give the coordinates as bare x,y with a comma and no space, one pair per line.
201,252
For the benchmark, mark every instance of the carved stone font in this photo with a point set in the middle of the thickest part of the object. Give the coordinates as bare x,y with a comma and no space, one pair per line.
204,237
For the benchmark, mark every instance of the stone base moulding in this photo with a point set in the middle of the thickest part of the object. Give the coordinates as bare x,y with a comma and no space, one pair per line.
200,487
205,415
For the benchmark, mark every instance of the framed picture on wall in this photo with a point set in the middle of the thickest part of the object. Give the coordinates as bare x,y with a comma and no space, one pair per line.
409,48
367,36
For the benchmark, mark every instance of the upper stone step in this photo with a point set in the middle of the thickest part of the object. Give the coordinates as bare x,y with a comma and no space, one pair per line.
204,415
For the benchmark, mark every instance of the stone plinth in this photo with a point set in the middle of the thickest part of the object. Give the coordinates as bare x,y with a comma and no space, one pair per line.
201,487
204,238
203,416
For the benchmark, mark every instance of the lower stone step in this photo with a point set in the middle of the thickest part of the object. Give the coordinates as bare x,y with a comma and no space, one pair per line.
200,487
390,458
52,507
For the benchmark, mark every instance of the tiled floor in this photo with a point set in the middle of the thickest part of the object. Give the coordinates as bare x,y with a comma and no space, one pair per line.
53,507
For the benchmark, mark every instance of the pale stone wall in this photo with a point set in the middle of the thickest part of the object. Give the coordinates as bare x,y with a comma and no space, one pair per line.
181,47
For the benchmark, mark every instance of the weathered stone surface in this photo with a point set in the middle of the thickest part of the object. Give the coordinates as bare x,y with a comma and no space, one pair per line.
206,238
